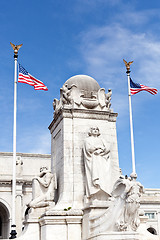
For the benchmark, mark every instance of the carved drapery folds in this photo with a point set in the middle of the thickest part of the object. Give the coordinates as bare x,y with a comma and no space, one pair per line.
123,212
83,99
128,191
97,166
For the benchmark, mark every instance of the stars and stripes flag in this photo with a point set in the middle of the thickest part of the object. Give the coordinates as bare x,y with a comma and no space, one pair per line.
25,77
136,87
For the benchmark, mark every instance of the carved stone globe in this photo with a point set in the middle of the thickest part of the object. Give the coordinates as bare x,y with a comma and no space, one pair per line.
84,83
87,89
82,91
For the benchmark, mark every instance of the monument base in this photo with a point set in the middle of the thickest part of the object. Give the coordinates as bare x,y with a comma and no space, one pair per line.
89,233
64,225
67,225
90,211
31,231
115,236
124,236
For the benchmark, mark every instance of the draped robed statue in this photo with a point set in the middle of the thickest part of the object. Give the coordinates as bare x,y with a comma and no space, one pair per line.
97,166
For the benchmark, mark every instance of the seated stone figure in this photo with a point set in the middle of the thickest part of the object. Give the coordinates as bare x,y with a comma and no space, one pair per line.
43,188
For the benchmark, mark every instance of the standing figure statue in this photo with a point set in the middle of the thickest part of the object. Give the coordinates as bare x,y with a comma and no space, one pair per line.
97,166
127,191
19,167
43,188
133,203
123,212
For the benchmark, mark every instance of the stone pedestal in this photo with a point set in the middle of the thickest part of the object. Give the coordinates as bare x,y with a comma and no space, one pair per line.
89,213
31,231
31,224
69,129
61,225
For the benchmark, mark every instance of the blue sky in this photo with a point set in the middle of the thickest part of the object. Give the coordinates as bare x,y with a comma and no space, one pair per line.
64,38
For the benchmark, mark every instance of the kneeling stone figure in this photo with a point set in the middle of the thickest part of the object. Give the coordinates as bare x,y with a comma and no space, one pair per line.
43,188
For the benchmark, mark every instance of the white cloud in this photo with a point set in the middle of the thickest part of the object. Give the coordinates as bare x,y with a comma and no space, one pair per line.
88,5
128,16
105,47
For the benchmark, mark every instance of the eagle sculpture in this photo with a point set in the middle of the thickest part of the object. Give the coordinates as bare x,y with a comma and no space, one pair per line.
16,48
127,64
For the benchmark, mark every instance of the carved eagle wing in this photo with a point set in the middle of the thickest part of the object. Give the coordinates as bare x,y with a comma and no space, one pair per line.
13,46
127,64
16,47
19,46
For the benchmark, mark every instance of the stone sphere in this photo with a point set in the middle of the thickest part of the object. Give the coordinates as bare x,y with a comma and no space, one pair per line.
83,82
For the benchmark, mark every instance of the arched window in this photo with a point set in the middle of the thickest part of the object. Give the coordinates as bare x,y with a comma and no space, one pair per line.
0,226
4,221
152,230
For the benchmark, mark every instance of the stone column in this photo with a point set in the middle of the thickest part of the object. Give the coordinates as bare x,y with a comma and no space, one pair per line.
19,200
158,221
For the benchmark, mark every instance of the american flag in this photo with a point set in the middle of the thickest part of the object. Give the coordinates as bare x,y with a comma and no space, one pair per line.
25,77
136,87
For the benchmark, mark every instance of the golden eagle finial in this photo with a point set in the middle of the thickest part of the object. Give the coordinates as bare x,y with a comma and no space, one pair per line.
127,64
16,48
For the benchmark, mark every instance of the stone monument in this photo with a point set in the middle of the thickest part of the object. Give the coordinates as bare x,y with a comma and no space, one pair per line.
82,105
85,196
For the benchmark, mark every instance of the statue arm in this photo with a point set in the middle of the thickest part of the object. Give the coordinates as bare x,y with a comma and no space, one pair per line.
45,182
91,148
105,150
94,149
100,151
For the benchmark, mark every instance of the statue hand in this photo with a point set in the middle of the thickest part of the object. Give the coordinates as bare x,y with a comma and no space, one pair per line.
105,152
98,151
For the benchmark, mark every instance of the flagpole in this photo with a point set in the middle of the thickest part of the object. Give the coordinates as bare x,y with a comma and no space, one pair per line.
131,119
13,226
